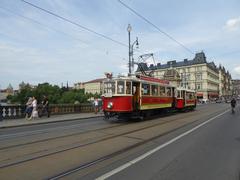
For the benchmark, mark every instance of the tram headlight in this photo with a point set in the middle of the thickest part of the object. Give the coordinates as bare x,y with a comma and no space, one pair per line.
110,105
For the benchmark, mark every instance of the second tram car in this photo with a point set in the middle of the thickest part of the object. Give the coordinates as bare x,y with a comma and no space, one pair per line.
140,96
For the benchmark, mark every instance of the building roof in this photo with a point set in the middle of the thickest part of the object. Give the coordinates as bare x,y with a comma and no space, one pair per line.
95,81
199,58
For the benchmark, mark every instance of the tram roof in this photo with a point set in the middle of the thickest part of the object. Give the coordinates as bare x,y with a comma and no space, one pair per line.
145,79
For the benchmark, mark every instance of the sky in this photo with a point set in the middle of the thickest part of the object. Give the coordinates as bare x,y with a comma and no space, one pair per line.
36,47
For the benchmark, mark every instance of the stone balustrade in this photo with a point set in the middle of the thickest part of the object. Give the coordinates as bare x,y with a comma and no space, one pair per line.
18,111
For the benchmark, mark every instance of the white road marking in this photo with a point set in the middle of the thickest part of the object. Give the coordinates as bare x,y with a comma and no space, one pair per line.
128,164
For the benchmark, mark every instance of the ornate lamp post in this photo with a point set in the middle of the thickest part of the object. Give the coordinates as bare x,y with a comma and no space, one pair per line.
129,29
130,53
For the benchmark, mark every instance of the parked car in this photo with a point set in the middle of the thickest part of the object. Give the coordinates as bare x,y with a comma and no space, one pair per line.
218,101
227,100
203,101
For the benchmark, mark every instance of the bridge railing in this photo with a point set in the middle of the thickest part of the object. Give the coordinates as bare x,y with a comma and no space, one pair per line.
18,111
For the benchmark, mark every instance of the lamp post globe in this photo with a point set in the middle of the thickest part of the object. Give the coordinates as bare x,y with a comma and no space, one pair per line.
129,28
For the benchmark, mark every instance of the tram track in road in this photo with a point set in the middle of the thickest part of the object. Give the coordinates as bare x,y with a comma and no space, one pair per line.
121,151
69,147
116,124
74,146
79,145
45,130
59,137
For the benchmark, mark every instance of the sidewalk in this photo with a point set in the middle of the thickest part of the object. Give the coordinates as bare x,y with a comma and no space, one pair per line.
43,120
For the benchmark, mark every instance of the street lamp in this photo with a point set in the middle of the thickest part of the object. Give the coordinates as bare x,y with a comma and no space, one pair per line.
129,29
130,53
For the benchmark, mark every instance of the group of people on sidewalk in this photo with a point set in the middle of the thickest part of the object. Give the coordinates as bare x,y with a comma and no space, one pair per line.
32,110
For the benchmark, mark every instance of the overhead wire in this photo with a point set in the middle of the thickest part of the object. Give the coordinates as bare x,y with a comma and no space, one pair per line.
41,24
156,27
74,23
47,27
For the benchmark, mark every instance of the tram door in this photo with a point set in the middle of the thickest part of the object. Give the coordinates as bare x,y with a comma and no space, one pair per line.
136,95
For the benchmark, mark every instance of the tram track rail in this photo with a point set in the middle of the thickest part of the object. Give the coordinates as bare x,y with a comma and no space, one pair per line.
124,123
59,137
81,156
112,155
69,147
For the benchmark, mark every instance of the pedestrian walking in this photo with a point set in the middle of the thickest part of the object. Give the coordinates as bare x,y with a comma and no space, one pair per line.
233,105
34,111
45,107
95,103
29,108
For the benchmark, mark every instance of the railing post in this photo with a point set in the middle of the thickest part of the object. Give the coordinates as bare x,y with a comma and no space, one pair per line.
1,112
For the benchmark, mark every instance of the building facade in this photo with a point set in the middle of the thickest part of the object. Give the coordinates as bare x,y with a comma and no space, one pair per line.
196,74
94,86
236,87
6,92
225,83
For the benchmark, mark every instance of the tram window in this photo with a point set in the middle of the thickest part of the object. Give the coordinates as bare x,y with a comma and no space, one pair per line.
146,89
154,90
109,87
128,87
162,91
191,95
169,91
178,94
120,87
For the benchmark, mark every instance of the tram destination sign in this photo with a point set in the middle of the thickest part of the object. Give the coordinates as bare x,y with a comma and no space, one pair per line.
152,79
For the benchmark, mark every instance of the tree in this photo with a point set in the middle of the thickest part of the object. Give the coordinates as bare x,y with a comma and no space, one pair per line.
54,93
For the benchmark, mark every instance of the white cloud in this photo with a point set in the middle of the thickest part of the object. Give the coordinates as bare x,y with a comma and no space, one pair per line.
237,70
233,24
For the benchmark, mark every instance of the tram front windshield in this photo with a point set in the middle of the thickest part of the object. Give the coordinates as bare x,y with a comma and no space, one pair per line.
109,88
119,87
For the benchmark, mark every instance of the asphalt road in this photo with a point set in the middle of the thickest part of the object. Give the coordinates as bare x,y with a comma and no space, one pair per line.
210,152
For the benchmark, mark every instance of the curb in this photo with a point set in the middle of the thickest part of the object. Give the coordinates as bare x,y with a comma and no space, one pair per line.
49,122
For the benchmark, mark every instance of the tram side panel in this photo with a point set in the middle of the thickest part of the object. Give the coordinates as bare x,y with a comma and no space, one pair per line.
118,104
148,102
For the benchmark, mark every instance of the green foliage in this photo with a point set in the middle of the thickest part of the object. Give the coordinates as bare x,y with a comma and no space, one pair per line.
55,94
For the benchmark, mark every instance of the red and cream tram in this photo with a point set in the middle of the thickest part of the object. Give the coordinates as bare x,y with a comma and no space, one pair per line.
185,99
141,96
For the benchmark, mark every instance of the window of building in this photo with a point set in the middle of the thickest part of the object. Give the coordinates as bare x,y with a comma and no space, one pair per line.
154,90
120,87
199,76
199,86
145,89
199,68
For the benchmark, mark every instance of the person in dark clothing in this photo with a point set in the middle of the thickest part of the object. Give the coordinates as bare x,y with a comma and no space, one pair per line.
233,105
45,105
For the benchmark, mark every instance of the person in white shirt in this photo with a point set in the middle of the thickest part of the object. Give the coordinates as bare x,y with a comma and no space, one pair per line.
34,111
95,105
